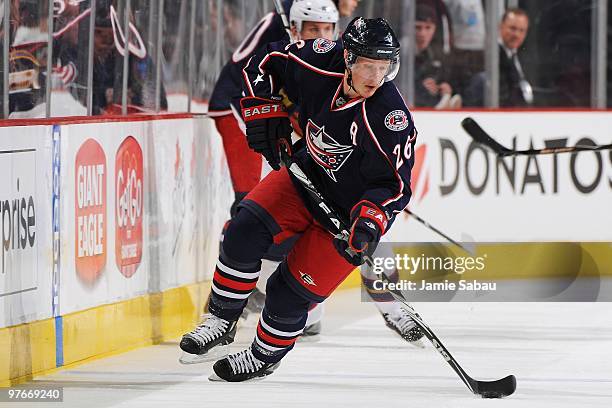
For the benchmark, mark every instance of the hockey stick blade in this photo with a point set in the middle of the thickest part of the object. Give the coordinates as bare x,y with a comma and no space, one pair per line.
486,389
495,389
479,135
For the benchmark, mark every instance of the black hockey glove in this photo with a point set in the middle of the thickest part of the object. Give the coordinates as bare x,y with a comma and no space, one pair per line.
368,223
267,122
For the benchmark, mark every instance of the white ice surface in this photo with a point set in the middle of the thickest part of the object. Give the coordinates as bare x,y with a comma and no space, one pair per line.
561,354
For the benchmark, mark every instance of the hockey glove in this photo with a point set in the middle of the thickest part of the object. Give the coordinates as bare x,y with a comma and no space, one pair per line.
368,223
267,122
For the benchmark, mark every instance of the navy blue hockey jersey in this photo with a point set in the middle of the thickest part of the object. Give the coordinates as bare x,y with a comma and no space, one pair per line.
228,88
359,149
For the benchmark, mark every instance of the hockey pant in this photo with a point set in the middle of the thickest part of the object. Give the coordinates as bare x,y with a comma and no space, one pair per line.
244,164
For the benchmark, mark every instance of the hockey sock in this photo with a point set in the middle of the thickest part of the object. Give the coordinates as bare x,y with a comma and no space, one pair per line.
232,284
282,321
245,242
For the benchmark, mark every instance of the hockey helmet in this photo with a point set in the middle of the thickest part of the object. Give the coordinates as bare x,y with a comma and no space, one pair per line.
372,38
318,11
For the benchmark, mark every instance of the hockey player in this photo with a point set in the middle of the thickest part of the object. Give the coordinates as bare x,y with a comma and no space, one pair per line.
309,19
358,149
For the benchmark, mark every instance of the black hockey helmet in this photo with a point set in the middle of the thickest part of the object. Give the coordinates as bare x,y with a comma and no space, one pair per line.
372,38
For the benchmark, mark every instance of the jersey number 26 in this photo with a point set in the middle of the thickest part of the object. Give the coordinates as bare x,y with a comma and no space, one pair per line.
407,153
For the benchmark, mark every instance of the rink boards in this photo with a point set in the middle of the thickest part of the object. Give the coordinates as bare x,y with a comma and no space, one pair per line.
112,226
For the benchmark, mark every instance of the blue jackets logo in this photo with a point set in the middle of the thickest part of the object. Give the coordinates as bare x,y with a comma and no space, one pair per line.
321,45
324,150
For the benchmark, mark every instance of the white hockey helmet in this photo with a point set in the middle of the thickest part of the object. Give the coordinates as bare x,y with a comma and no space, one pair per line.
318,11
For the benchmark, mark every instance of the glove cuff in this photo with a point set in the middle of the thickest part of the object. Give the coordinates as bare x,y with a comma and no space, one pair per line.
367,209
255,108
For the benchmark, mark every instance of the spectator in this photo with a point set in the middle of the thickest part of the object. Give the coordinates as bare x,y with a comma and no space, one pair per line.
514,89
467,55
27,58
346,7
108,69
441,42
431,85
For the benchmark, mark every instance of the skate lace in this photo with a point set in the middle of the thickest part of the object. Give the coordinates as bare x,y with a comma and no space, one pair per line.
244,362
404,322
210,329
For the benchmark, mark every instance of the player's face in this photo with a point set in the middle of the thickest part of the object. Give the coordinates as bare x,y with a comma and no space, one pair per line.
424,32
103,42
369,75
312,30
513,30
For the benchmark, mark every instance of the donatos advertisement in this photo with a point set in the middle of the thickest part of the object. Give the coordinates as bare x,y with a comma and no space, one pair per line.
90,211
129,206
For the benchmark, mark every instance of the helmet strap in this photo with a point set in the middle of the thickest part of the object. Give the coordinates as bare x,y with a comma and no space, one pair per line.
349,81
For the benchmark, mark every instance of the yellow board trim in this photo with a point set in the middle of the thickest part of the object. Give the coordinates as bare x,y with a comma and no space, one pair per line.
26,349
145,320
352,281
99,332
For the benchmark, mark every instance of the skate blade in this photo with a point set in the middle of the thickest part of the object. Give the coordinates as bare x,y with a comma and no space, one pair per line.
214,354
215,378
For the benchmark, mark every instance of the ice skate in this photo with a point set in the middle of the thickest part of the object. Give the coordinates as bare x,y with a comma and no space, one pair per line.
312,330
240,367
209,341
313,323
400,322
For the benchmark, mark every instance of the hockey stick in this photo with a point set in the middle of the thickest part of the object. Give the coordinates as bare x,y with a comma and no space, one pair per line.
486,389
281,12
479,135
437,231
340,226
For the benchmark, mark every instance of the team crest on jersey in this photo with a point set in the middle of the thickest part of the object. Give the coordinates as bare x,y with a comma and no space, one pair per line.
324,150
396,120
321,45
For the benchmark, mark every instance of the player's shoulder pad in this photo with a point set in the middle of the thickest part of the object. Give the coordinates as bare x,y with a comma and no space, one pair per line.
387,113
269,29
320,53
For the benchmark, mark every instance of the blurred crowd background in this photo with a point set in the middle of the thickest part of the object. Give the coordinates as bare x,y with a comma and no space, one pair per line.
96,57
